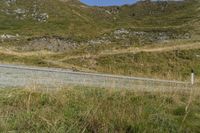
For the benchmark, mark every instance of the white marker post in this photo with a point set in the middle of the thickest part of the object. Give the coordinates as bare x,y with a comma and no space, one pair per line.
192,77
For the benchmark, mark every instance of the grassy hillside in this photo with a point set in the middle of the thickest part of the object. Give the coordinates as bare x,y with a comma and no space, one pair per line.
69,34
147,39
61,18
176,63
98,110
168,62
75,19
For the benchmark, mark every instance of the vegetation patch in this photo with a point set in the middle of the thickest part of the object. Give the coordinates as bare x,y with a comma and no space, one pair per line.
82,109
175,64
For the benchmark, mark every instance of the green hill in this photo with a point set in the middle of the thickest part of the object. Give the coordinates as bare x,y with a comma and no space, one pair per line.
71,18
148,39
69,34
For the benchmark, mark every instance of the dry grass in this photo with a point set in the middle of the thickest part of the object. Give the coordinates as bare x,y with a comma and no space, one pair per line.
83,109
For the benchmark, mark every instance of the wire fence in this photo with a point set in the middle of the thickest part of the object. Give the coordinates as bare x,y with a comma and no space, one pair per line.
19,76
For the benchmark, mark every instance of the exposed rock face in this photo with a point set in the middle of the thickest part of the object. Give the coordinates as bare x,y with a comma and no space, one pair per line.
19,13
7,37
59,44
22,13
42,17
99,41
124,37
148,36
112,10
8,2
121,31
55,44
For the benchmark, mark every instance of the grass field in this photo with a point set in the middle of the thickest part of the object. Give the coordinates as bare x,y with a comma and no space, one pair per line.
83,109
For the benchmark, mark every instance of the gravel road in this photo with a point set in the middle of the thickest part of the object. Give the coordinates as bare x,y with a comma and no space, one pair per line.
22,76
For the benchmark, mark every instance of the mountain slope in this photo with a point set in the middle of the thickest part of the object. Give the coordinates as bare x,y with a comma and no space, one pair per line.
69,34
75,19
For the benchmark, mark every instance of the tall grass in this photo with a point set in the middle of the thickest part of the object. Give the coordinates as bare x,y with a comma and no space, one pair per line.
83,109
175,64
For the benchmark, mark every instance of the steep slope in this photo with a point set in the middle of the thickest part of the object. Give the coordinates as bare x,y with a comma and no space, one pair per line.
43,17
71,18
123,40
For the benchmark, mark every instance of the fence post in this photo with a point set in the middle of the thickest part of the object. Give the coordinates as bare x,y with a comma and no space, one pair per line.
192,77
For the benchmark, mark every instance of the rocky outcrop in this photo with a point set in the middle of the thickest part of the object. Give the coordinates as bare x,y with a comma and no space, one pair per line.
24,13
60,44
55,44
123,37
8,37
148,36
